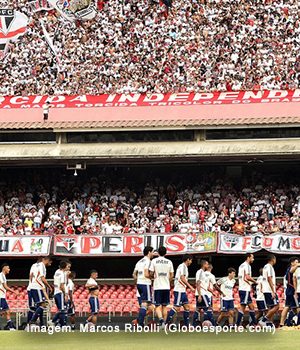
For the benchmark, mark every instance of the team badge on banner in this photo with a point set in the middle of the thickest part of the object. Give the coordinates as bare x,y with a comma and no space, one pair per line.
13,24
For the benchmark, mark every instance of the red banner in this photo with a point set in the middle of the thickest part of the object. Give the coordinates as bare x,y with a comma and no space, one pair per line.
155,99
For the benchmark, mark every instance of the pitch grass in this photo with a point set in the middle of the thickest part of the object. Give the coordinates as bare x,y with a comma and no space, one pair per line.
114,341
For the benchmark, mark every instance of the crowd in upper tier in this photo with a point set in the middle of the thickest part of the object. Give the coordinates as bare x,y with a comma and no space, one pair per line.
107,204
143,46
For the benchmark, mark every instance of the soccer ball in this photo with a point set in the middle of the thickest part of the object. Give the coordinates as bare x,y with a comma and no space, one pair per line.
206,323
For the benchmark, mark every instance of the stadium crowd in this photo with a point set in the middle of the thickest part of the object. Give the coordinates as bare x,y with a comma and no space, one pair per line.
143,46
100,205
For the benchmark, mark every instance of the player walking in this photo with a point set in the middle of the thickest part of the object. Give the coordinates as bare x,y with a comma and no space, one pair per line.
4,308
162,271
260,298
227,301
60,294
38,289
291,300
31,304
141,275
180,296
245,281
204,281
93,288
269,290
69,291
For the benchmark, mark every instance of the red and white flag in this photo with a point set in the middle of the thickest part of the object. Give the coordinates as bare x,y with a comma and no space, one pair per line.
39,5
12,25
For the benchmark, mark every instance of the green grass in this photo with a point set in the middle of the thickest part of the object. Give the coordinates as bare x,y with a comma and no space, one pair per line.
111,341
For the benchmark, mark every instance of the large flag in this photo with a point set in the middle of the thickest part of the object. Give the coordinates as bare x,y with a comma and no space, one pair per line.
75,9
12,25
50,44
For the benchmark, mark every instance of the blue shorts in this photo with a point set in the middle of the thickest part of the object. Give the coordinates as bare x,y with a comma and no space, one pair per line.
31,303
205,303
94,304
162,297
245,297
270,301
145,293
60,302
291,301
261,305
227,305
3,305
298,294
71,309
180,298
38,296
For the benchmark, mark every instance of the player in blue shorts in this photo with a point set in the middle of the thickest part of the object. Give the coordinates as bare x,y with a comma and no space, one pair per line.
226,285
69,291
141,275
269,290
180,295
31,303
297,290
60,294
205,283
291,300
245,282
260,298
93,288
162,272
4,308
38,289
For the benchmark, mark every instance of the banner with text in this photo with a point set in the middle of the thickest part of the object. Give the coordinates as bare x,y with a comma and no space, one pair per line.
25,245
276,243
152,99
130,245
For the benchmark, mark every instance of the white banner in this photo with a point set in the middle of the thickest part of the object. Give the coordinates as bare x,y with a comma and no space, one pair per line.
75,9
277,243
24,245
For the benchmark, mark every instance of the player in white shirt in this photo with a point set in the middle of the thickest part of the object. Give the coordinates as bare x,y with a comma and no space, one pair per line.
4,308
162,271
205,283
269,290
38,289
60,294
31,304
226,285
245,282
93,288
69,291
141,275
180,295
260,298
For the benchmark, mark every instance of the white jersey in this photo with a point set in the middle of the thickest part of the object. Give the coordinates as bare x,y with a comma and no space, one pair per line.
38,273
226,285
69,286
259,290
162,269
244,269
297,275
32,271
2,288
59,278
206,279
140,267
182,270
268,271
92,282
212,282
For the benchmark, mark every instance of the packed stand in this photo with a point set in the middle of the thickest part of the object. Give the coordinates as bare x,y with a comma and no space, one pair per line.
145,46
107,205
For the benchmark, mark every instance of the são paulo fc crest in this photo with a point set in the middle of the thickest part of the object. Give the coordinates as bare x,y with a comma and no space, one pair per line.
66,244
231,241
7,17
